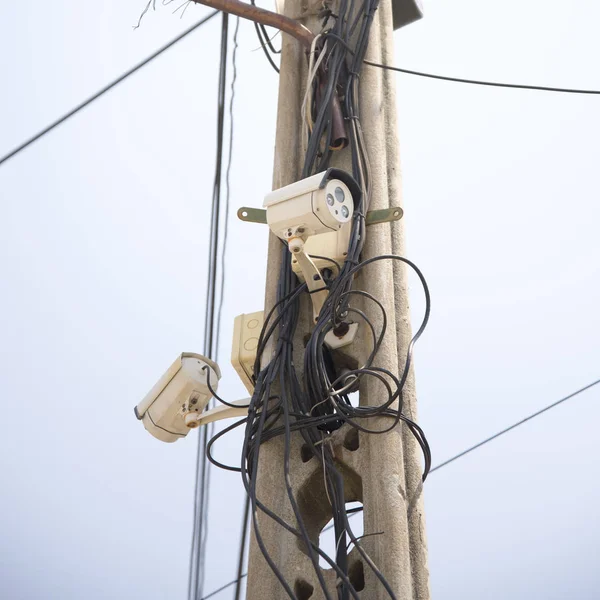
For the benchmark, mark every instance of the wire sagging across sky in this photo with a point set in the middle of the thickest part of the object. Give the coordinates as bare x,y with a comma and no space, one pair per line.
517,86
154,55
105,89
450,460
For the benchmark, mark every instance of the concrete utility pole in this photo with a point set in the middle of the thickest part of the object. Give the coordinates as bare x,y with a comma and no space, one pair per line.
382,471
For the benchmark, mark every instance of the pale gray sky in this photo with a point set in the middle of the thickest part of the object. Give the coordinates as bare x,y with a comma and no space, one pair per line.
103,260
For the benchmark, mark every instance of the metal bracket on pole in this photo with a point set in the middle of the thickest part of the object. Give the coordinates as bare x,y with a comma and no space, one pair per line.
252,215
384,215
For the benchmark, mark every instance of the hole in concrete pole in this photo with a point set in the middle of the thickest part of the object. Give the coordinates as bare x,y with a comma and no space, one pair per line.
303,589
351,441
354,399
306,453
356,575
327,541
315,507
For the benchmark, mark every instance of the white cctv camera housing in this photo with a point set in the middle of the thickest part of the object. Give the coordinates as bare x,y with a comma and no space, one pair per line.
323,203
181,390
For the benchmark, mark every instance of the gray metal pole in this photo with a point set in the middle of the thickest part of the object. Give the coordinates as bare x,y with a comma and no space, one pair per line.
382,471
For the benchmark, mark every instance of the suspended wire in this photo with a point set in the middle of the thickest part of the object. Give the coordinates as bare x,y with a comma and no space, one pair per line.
540,88
105,89
228,179
246,513
224,587
515,425
320,403
264,44
317,403
447,462
202,487
243,544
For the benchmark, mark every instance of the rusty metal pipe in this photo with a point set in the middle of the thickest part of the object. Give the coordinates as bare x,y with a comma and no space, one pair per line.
263,16
297,31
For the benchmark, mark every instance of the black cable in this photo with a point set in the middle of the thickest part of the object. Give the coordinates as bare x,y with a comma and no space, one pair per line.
243,541
224,587
124,76
213,392
227,180
202,489
265,42
105,89
352,512
297,400
539,88
209,337
263,45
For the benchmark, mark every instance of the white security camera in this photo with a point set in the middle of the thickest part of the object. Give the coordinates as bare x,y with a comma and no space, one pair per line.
318,204
183,389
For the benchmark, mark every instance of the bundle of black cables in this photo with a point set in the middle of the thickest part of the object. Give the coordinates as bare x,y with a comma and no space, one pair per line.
318,402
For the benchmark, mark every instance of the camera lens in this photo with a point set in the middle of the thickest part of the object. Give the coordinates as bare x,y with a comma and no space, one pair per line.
330,200
345,211
339,194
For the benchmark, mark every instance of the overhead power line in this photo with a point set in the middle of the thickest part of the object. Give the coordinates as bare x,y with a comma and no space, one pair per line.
539,88
224,587
447,462
517,424
211,344
144,62
105,89
243,543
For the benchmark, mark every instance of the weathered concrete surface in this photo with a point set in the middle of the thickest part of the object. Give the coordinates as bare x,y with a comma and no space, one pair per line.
384,471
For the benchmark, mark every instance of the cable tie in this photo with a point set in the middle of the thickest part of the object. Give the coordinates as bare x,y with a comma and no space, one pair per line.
319,290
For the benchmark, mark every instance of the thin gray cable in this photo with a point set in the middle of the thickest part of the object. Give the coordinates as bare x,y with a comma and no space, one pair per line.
227,182
517,424
105,89
243,543
446,462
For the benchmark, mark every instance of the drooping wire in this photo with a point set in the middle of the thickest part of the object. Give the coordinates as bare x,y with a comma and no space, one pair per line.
228,178
264,45
450,460
243,544
202,484
515,425
281,403
265,42
105,89
224,587
539,88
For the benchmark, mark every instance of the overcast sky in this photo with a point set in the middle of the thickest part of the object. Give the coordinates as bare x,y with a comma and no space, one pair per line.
103,248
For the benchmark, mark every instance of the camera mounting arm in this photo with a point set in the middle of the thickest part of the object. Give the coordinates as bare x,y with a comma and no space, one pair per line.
194,419
314,280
